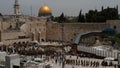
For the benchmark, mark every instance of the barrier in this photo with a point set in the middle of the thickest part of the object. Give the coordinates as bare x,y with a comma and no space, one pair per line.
102,53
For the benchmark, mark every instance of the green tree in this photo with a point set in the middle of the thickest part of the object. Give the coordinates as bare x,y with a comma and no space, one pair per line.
103,15
0,14
62,18
81,17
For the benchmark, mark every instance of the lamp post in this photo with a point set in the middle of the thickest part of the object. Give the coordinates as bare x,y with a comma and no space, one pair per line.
62,38
39,36
1,25
62,28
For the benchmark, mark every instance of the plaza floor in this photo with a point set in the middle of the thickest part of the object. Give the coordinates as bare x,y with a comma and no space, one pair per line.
70,66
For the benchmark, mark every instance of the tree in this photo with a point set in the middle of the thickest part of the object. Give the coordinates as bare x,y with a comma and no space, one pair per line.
92,16
0,14
103,15
62,18
52,18
110,13
82,18
102,8
80,15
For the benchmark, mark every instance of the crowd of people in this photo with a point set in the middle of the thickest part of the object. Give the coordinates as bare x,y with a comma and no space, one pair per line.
27,48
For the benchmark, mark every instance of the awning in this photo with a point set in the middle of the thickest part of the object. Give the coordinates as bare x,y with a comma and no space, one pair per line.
109,58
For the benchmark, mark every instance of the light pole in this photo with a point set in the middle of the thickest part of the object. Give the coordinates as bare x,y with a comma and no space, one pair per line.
1,25
62,30
62,38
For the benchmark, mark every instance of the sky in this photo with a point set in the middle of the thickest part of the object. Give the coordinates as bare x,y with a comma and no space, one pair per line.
68,7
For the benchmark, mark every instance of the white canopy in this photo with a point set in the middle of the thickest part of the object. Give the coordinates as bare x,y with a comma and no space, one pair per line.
109,58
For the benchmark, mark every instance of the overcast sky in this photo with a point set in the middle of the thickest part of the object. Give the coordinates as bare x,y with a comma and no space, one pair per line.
69,7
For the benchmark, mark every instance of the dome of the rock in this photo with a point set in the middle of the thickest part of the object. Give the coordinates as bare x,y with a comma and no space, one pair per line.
44,11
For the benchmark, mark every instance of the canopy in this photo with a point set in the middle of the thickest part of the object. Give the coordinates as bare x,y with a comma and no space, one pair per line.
109,58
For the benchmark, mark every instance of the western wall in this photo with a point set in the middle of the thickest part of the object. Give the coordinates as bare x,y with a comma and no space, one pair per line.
71,30
53,30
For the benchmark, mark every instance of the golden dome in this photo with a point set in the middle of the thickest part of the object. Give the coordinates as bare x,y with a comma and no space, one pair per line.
44,10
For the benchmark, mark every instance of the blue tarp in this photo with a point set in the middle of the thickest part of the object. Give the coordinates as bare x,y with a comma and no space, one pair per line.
109,31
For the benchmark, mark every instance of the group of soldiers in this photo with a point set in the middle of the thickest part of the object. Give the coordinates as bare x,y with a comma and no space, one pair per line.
82,63
76,61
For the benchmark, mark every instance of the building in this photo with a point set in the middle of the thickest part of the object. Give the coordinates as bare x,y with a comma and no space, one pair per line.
12,61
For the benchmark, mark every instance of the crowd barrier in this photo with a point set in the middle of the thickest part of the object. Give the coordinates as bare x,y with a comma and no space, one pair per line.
103,53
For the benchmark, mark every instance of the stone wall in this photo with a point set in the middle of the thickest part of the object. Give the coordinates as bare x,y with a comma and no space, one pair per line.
114,23
11,41
71,29
35,27
7,35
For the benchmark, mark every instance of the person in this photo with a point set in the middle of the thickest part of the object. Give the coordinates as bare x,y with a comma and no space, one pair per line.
72,66
60,62
114,66
55,60
82,62
91,64
78,62
87,63
110,63
97,64
103,63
